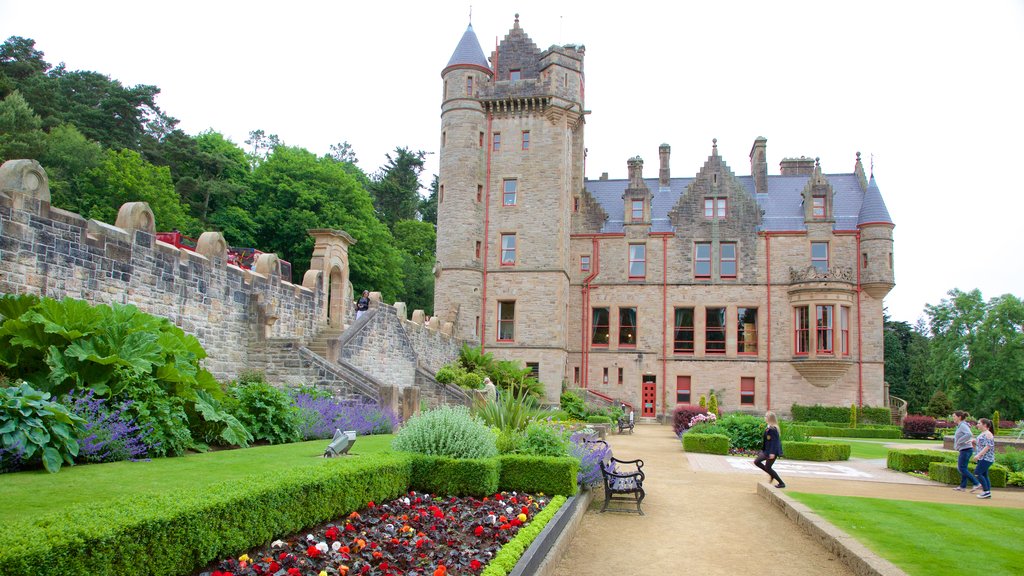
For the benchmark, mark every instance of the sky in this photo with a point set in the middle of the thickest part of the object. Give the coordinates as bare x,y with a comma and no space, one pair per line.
929,91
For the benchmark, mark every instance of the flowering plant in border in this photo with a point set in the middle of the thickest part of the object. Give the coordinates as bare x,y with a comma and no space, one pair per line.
701,418
109,434
415,535
321,415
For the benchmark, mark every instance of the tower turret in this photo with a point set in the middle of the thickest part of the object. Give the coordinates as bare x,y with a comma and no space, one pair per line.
876,258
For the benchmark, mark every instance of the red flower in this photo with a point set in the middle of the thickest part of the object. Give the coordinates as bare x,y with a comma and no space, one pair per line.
282,556
516,522
373,545
384,566
312,552
438,514
479,530
475,565
332,533
294,572
370,504
350,527
525,510
274,567
364,569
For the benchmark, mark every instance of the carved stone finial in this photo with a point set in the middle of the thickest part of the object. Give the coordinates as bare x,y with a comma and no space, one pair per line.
517,20
817,162
134,216
213,246
858,156
25,177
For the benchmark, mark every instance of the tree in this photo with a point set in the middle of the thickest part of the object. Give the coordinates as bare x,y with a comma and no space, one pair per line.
19,60
343,152
68,158
417,241
905,370
395,189
428,205
262,146
954,324
20,133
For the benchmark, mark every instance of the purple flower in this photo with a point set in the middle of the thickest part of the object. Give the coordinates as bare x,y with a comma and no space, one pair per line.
322,416
110,435
591,456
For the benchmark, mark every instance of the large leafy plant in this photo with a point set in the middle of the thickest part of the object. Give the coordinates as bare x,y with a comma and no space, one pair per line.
218,426
266,412
32,426
446,431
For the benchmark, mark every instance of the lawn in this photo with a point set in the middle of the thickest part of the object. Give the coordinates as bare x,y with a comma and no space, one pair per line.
925,538
869,447
27,494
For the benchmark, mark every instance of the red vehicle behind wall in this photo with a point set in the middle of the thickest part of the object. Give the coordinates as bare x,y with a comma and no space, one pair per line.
237,256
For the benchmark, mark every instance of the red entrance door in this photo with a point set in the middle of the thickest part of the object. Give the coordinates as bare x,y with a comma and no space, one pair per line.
648,394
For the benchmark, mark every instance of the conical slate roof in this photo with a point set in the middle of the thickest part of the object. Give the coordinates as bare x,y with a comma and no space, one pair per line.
872,209
468,52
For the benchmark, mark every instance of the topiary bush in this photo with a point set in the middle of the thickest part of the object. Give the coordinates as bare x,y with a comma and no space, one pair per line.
706,443
859,432
454,476
446,431
682,415
911,460
598,419
840,414
918,426
948,473
816,451
539,474
506,559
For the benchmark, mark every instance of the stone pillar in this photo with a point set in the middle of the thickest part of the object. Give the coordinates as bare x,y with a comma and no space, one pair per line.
390,399
410,402
330,257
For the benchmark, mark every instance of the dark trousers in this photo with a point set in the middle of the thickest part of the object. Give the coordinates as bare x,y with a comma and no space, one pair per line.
965,473
765,463
981,471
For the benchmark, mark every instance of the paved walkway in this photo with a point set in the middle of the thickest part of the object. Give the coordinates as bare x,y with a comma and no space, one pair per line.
704,515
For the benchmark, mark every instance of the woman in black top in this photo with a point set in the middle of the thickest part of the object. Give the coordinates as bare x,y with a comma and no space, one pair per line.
771,448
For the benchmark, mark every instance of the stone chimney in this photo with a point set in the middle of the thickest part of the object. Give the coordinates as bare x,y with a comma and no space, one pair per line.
636,172
759,164
801,166
604,176
664,175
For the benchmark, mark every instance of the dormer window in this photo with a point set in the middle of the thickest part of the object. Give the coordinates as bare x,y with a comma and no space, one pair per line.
818,206
636,211
515,74
714,208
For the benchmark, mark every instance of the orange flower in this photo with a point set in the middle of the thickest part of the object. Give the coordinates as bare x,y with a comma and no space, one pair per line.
441,571
343,570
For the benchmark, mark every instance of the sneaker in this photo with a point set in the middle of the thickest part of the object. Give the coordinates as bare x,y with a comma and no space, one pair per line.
959,489
780,485
985,495
977,488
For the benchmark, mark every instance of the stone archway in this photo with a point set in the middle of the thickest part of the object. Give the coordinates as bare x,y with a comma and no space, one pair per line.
330,261
336,296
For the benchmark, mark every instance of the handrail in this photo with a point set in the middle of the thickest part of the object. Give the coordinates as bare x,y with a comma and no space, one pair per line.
898,409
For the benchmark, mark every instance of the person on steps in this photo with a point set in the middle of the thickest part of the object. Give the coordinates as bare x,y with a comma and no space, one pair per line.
771,448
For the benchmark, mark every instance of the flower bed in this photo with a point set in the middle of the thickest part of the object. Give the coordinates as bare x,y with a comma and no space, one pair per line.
416,534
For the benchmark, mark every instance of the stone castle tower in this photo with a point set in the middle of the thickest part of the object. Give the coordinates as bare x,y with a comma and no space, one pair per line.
511,159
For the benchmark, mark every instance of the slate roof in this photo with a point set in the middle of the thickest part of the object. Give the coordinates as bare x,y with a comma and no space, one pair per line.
782,204
468,52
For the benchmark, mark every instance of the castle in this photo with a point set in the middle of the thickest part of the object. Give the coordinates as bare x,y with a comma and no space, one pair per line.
766,289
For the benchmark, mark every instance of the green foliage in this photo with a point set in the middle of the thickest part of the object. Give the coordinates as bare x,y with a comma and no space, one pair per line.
713,403
268,413
790,432
599,419
474,359
154,408
470,381
906,363
705,443
1015,479
417,241
840,414
853,415
67,159
995,423
1011,458
395,190
454,476
508,556
446,431
509,441
947,472
745,432
939,406
509,376
831,431
573,406
543,439
35,428
539,474
508,412
817,451
703,403
188,528
20,133
448,374
914,460
215,425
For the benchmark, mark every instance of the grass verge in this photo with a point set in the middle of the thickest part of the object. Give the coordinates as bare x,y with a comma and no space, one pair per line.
925,538
870,448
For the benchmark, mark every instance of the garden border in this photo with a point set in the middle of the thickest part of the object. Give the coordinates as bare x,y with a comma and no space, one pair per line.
550,545
849,550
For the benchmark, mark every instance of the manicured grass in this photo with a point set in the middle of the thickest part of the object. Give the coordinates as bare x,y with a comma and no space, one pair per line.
929,539
870,447
28,494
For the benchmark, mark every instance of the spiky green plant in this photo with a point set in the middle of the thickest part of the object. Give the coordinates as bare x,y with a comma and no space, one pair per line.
509,412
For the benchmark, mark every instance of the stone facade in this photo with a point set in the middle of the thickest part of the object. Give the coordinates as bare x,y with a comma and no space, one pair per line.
593,275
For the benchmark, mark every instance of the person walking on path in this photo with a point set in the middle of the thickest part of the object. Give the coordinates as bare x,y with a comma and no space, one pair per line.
363,304
985,457
771,448
963,442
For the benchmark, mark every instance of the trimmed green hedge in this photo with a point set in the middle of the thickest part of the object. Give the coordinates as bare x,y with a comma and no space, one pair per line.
174,534
507,558
599,419
911,459
454,476
838,432
538,474
816,451
840,414
947,472
706,443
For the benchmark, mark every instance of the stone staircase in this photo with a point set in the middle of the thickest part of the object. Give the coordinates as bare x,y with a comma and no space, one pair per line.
319,344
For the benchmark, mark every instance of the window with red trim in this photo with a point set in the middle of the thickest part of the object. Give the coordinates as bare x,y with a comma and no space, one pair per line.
622,376
746,330
479,192
709,208
702,260
682,341
823,337
637,261
526,139
714,331
727,260
819,256
844,327
636,211
627,327
509,192
600,334
818,206
477,249
469,86
720,207
584,263
506,320
508,249
682,389
575,204
746,391
801,330
515,74
575,374
496,141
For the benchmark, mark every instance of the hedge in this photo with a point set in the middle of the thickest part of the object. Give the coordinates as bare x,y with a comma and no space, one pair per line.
816,451
454,476
837,414
599,419
706,443
538,474
507,558
175,534
837,432
912,459
947,472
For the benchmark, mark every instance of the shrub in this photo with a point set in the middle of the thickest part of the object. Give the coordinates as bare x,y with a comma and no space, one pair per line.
543,439
682,415
1015,479
853,415
108,434
572,404
1012,459
470,381
911,460
508,556
599,419
215,425
509,441
710,418
320,416
33,428
508,412
454,476
706,443
591,455
713,404
948,473
267,412
918,426
860,432
816,451
840,414
939,406
995,423
447,374
795,433
153,409
539,474
446,431
745,432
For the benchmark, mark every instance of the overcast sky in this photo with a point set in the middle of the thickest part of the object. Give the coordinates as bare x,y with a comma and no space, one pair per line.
932,90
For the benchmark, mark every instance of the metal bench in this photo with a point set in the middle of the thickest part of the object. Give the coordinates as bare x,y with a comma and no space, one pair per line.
623,480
